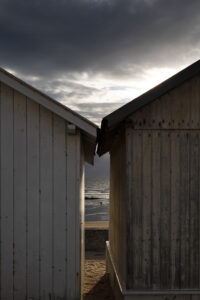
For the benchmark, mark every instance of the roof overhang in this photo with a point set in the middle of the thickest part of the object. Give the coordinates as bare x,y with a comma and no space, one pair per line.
111,122
88,129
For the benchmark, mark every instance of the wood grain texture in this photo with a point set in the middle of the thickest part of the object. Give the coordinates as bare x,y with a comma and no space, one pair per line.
41,223
156,206
163,192
59,207
33,200
175,210
147,209
184,209
73,282
137,207
46,203
177,109
6,191
118,207
194,210
20,196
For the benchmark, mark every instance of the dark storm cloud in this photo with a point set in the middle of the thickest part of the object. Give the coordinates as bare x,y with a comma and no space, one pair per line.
106,36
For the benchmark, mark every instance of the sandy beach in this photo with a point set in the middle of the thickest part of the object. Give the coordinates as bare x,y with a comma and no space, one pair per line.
96,281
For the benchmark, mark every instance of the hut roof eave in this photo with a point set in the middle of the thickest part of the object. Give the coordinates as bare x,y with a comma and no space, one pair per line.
116,118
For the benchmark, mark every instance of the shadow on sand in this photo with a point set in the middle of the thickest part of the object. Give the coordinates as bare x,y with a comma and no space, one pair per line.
102,290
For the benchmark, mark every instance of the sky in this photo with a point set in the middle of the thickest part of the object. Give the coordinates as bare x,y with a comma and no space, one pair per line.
96,55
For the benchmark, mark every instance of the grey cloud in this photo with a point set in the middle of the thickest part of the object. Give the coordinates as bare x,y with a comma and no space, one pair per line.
53,37
96,111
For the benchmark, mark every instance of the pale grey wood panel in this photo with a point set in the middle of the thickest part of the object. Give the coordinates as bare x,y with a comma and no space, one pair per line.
165,187
33,198
82,215
194,210
6,191
137,199
147,209
156,206
175,210
184,209
46,202
20,194
73,216
59,209
78,237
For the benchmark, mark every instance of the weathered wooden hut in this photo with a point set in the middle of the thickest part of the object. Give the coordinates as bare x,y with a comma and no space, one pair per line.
154,143
43,146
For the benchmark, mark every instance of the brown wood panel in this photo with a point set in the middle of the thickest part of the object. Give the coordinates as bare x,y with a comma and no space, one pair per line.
194,210
117,230
147,209
184,210
175,210
156,220
165,190
178,109
137,197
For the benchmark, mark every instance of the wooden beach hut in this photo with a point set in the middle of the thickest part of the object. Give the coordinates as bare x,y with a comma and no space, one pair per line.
154,143
43,146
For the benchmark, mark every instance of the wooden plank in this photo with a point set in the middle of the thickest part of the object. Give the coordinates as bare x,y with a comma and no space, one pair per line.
185,108
82,217
175,210
20,213
184,209
156,209
146,207
73,216
165,210
59,190
165,110
129,209
194,100
194,210
33,200
46,199
137,198
6,192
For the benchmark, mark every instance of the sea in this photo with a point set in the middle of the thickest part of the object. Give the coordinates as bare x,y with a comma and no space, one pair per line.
96,199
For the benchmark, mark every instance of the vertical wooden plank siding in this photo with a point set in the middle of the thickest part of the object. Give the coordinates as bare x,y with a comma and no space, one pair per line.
33,200
175,210
164,193
73,216
185,209
6,192
156,221
20,205
118,206
137,208
165,189
82,218
147,209
129,208
41,202
46,203
59,209
194,210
